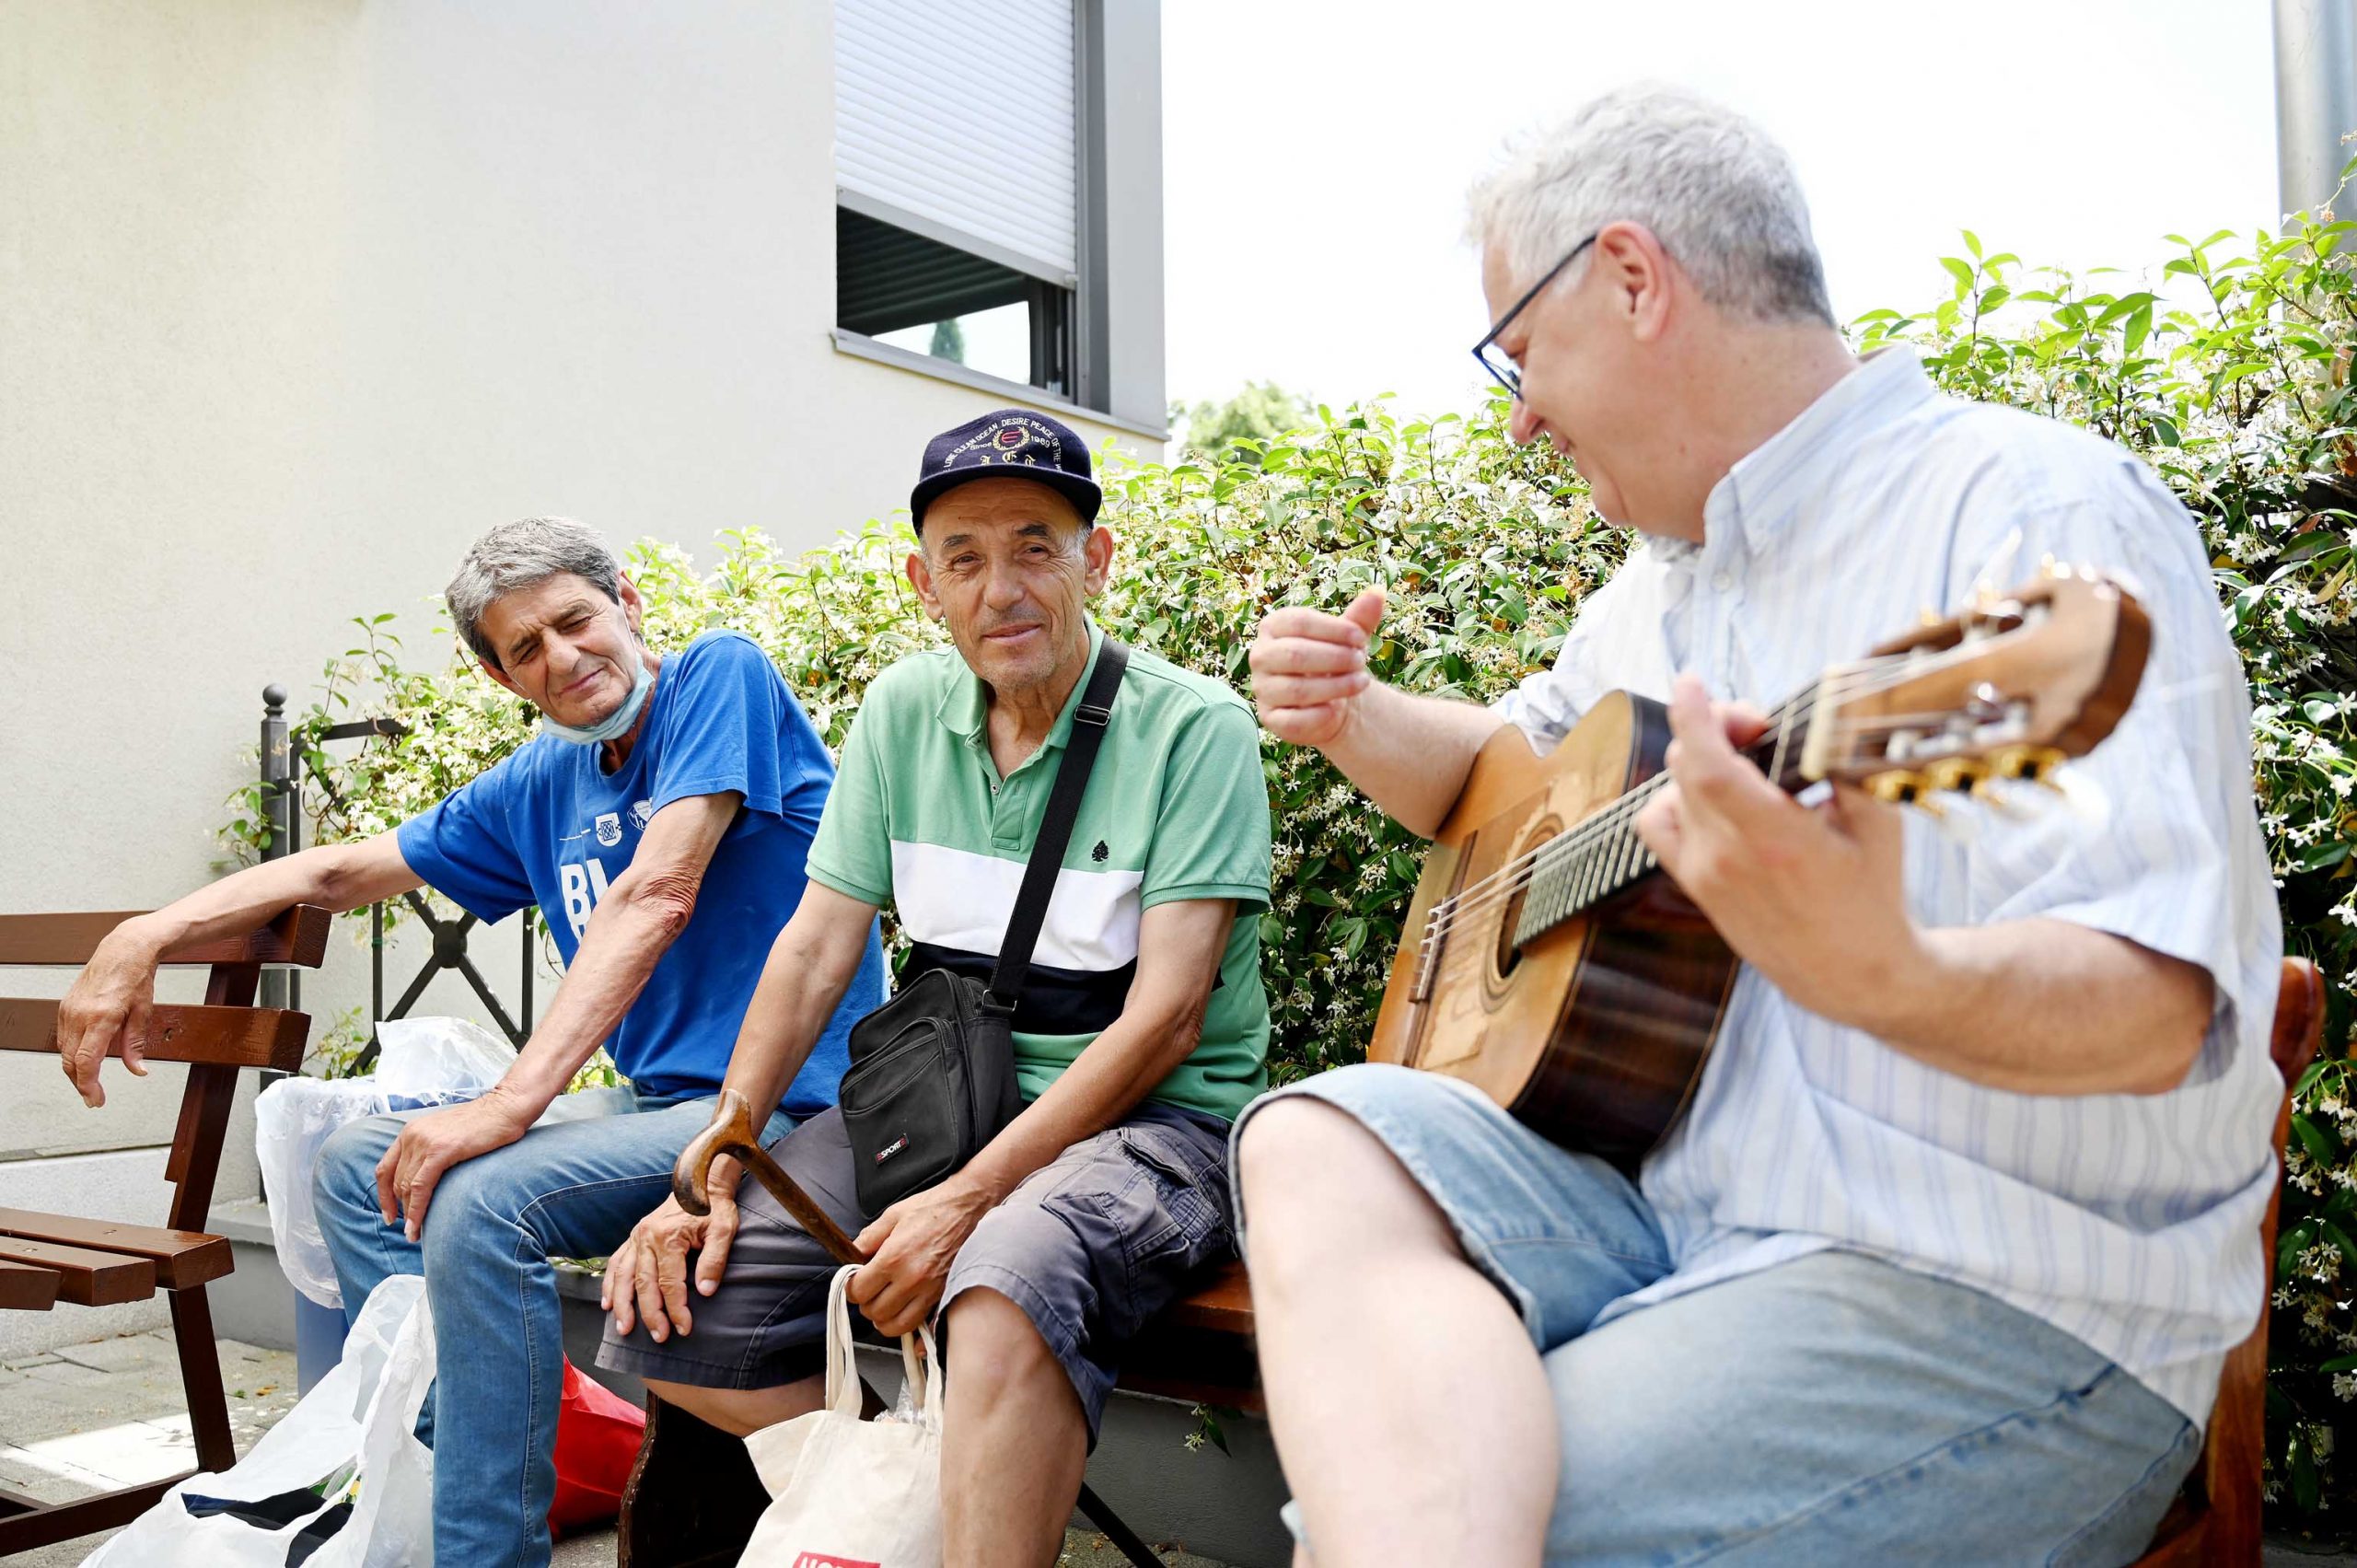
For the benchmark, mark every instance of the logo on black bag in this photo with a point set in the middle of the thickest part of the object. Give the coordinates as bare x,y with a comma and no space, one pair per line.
894,1147
1100,852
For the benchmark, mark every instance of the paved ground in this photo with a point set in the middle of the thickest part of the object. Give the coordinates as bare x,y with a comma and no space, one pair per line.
109,1413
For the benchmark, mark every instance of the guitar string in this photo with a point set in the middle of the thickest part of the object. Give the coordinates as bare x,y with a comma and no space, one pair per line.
1580,845
1592,831
1841,681
1598,831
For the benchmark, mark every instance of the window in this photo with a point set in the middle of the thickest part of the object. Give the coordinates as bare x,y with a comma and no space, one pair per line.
957,178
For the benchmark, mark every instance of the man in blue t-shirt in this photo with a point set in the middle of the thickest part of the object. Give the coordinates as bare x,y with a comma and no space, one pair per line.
659,822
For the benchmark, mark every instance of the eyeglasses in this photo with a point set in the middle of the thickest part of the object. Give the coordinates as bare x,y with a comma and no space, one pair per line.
1494,358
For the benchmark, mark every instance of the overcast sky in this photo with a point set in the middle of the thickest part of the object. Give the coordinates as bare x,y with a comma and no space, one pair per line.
1315,152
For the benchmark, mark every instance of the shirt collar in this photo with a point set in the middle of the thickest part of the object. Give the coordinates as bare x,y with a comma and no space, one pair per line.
965,706
1770,482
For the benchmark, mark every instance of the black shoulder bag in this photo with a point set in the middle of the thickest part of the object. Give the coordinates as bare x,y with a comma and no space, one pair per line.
931,1074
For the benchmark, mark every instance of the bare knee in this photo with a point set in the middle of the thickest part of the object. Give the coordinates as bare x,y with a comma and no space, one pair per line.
1317,1185
995,1347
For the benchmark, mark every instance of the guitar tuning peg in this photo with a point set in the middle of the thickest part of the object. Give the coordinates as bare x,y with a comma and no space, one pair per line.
1896,786
2028,764
1955,773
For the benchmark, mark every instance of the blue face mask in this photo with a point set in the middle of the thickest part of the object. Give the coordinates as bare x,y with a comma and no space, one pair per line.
615,725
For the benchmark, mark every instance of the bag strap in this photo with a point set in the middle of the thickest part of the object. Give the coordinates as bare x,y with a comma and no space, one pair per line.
1089,722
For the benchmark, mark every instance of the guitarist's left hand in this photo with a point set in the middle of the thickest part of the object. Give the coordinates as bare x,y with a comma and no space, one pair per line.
1812,899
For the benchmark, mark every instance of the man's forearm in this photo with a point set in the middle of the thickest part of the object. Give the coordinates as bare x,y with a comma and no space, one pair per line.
619,951
808,969
334,877
1410,754
2043,1007
1118,1068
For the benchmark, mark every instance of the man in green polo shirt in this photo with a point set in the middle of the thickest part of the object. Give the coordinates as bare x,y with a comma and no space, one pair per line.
1141,1031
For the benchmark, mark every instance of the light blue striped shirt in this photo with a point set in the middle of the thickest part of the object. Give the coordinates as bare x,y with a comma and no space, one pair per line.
2131,1221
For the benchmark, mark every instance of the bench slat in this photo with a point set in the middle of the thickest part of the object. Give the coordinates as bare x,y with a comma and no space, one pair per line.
230,1037
297,937
27,1290
182,1258
1224,1302
85,1278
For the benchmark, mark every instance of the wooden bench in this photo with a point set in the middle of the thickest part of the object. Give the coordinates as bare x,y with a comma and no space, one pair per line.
694,1496
2216,1519
45,1259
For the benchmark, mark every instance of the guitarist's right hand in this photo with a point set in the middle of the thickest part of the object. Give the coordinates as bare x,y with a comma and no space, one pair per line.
1309,669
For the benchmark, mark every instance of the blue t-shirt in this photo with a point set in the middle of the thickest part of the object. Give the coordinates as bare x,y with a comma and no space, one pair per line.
549,826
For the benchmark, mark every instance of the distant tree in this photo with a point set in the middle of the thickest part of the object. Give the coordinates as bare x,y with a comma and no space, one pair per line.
1261,411
949,341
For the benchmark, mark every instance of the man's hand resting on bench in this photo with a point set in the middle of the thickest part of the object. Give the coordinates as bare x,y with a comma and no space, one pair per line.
111,1001
436,1141
647,1279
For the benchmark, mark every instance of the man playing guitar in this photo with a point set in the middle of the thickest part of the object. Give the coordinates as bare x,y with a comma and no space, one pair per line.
1944,1258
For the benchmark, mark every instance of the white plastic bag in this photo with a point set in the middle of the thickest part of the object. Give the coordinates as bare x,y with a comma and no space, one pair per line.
292,1119
439,1059
362,1419
421,1062
843,1490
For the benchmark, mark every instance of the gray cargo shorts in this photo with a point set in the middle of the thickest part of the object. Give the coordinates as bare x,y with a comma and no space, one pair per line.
1091,1246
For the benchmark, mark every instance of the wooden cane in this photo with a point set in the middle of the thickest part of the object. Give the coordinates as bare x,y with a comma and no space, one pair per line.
731,1132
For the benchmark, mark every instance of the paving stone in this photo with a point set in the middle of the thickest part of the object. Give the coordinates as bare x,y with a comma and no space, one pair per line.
50,1480
69,1374
121,1455
44,1359
30,1410
117,1355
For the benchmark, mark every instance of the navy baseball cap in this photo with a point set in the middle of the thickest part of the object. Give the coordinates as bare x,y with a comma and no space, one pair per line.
1011,443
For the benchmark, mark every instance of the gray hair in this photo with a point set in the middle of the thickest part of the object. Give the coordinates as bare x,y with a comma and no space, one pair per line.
518,554
1719,195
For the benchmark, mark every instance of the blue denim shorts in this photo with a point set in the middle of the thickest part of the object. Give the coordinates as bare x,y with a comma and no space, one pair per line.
1836,1407
1091,1246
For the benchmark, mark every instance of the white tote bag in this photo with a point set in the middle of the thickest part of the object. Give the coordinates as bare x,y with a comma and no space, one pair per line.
351,1443
847,1493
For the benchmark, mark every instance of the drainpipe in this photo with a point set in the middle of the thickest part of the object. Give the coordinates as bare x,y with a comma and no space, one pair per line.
2316,99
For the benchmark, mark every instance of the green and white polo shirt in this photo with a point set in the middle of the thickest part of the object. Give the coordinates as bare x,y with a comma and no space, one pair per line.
1176,808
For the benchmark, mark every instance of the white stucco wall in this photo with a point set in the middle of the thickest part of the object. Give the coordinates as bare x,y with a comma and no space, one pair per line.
298,296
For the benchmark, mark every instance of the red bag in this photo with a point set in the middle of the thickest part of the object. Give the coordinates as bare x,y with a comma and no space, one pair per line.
598,1434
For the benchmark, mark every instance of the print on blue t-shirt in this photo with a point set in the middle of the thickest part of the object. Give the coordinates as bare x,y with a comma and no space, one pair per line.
549,826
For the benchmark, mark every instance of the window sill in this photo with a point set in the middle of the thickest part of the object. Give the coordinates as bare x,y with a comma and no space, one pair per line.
860,346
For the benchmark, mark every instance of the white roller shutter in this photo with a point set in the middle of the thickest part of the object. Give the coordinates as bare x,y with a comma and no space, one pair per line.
962,114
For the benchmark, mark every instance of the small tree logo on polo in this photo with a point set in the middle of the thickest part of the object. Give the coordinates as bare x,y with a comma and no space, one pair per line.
1100,853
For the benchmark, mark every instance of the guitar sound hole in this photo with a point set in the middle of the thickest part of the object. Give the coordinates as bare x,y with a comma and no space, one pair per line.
1505,954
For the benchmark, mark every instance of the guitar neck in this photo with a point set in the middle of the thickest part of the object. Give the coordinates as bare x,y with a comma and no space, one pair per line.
1602,856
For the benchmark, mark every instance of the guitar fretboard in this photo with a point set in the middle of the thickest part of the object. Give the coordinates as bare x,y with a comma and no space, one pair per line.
1602,856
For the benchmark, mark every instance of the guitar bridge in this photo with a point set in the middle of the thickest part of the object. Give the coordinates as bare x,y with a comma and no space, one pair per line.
1427,961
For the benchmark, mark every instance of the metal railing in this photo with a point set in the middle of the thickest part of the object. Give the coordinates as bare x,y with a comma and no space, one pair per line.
282,775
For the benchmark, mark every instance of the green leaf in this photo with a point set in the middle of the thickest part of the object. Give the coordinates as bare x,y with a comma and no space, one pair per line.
1962,271
2320,1148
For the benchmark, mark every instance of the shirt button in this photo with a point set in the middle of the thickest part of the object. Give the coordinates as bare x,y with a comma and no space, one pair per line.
1723,581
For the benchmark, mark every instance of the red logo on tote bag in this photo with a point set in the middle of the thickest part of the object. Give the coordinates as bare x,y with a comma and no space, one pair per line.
820,1560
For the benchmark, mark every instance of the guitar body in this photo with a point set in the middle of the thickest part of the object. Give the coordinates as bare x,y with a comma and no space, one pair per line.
1547,962
1593,1034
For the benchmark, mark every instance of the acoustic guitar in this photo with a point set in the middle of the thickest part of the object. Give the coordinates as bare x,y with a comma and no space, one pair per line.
1545,958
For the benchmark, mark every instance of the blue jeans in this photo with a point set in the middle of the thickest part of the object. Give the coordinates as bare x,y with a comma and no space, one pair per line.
1836,1407
574,1185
